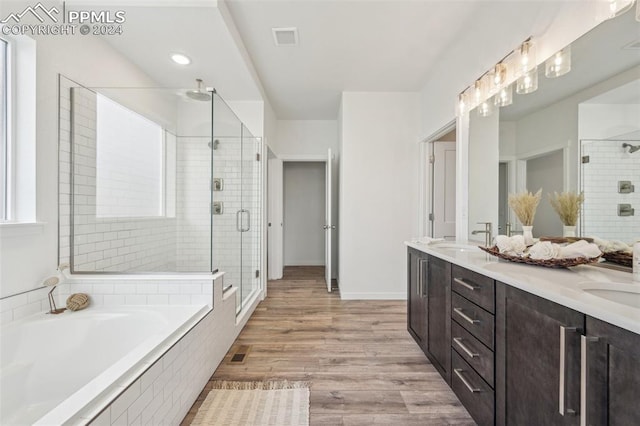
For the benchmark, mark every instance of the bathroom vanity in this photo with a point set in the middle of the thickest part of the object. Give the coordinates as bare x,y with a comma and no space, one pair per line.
522,344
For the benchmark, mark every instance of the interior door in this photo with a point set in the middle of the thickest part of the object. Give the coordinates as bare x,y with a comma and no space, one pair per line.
328,227
443,204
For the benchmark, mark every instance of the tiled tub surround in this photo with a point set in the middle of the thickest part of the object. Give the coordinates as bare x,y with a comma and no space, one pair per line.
600,186
562,286
163,375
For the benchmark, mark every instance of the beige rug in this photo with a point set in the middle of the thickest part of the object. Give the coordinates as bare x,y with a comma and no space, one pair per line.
255,404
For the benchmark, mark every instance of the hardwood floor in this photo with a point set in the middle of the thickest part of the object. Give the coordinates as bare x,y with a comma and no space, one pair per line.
363,366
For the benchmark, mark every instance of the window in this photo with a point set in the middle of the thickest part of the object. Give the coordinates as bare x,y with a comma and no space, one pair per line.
129,162
4,131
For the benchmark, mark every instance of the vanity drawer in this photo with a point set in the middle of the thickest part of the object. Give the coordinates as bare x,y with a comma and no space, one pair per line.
473,352
473,318
475,287
474,393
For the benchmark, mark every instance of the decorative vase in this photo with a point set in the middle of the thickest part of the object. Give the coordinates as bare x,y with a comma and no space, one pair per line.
527,233
568,230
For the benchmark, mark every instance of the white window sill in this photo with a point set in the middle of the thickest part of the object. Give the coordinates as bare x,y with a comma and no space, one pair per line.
20,229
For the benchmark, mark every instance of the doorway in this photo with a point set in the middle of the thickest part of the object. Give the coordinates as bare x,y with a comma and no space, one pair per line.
546,172
304,211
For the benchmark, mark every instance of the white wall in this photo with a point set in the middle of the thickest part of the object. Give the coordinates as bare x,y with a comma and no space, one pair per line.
378,192
27,257
304,213
483,173
303,139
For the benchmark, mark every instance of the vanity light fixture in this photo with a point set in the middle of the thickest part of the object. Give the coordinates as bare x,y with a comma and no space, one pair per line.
527,57
527,82
559,64
180,59
499,75
485,108
504,97
478,91
462,103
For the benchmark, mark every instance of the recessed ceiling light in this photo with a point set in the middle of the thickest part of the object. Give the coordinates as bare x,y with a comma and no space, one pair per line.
181,59
285,36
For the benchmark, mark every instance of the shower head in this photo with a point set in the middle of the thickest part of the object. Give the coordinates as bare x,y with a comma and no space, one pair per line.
200,94
632,148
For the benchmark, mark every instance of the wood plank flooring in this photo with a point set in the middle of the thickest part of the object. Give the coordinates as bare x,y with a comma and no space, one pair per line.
363,366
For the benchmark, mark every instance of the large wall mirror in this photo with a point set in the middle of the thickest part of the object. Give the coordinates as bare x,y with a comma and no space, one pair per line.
578,132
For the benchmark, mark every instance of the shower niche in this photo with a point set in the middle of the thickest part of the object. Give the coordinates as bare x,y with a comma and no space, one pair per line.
158,181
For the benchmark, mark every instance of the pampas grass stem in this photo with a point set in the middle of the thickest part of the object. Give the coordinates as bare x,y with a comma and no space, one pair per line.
567,206
524,205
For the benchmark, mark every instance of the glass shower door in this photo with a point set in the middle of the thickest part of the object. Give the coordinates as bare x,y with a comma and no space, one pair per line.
249,216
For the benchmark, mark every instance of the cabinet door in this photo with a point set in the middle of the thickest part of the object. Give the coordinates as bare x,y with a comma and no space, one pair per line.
438,288
416,305
611,371
537,360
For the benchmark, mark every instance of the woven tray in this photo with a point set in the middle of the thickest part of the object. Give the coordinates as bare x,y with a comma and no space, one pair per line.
550,263
619,257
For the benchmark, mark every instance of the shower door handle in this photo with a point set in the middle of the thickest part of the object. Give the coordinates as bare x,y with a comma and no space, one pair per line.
239,216
248,220
238,226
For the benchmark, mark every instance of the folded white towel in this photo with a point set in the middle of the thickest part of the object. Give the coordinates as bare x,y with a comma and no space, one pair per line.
580,248
544,250
606,246
511,245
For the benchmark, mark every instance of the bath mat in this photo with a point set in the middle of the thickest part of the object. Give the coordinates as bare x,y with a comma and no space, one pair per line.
256,404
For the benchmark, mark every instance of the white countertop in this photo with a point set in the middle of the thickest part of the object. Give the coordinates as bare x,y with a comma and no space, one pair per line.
563,286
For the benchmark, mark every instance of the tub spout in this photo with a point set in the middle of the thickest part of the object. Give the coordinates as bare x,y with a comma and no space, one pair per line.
53,282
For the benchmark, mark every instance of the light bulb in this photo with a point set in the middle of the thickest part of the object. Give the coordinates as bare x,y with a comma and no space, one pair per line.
527,56
461,103
478,91
499,74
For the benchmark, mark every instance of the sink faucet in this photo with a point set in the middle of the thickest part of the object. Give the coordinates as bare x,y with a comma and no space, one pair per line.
488,233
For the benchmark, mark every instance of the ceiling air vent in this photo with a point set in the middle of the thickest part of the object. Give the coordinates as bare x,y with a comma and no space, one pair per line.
285,36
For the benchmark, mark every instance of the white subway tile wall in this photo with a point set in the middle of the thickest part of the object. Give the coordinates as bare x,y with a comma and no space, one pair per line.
600,186
147,291
101,244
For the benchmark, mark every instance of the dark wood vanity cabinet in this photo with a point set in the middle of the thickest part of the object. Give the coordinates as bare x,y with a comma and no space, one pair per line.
473,342
514,358
611,370
416,303
429,308
537,360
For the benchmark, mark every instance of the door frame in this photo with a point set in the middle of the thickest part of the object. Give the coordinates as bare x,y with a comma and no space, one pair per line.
426,178
295,158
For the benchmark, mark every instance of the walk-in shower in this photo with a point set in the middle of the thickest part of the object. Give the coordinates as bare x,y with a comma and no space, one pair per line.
141,173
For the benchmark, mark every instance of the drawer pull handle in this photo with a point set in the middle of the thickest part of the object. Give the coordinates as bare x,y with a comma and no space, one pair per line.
562,382
465,284
458,341
459,372
465,316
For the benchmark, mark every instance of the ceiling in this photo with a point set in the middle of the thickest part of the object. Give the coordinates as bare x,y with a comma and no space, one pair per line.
369,45
344,45
156,28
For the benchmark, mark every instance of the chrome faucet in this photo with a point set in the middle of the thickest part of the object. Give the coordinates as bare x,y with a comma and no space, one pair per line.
488,233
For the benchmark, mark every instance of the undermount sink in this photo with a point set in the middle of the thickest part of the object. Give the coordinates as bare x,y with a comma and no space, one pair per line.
456,247
626,294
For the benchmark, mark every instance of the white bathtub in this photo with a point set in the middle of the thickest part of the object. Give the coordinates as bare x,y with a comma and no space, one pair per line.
55,367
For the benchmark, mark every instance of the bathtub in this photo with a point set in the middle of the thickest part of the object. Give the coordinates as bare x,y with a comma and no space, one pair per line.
53,368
